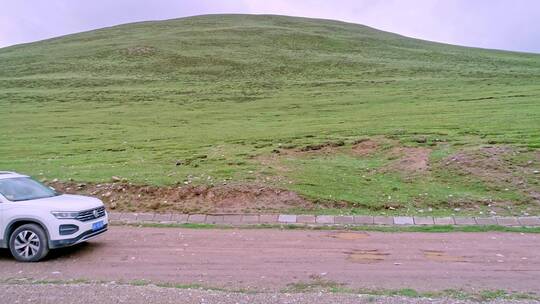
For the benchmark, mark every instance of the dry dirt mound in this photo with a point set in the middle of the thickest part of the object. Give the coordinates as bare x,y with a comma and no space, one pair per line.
323,146
239,198
329,147
410,159
492,165
406,159
365,148
274,159
487,162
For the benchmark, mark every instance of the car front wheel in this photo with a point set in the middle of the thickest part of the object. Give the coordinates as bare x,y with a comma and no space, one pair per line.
28,243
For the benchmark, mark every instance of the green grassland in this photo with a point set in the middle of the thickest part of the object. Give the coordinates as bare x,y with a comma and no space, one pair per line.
217,92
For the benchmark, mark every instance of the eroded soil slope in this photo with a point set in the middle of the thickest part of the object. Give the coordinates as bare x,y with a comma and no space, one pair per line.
239,198
373,175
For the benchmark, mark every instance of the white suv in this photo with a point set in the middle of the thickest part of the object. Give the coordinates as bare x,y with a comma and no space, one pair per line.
35,218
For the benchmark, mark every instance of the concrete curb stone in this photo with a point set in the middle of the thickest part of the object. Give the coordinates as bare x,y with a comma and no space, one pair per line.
232,218
287,218
363,220
529,221
507,221
465,221
444,221
325,219
250,219
197,218
347,220
180,218
145,217
307,219
423,220
128,217
486,221
403,220
214,219
268,219
383,220
162,217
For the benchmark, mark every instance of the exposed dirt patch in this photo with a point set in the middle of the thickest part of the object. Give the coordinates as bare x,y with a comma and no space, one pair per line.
406,159
366,256
485,162
365,147
493,165
330,147
362,148
409,159
349,236
273,159
139,51
240,198
441,256
317,147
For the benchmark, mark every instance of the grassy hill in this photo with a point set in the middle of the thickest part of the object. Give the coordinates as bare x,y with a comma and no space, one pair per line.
352,118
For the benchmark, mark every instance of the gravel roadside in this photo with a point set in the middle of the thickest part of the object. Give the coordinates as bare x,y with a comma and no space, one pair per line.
114,293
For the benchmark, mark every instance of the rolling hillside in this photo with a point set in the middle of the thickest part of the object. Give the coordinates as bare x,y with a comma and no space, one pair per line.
350,118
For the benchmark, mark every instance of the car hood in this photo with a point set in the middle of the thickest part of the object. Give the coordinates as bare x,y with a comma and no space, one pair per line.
68,202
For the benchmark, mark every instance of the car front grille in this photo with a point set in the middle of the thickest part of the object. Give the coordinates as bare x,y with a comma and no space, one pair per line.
92,214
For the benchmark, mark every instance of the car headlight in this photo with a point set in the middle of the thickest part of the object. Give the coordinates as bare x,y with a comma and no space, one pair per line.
65,214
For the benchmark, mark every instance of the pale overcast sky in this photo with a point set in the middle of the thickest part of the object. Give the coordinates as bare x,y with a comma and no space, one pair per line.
499,24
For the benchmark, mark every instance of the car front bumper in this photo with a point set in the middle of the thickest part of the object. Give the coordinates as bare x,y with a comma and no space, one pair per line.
82,237
84,233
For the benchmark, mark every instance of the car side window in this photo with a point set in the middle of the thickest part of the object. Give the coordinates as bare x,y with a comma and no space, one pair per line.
4,189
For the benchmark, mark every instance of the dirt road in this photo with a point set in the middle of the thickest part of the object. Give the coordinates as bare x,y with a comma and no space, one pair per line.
271,260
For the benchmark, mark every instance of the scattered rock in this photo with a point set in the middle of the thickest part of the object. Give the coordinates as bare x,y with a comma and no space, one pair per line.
420,140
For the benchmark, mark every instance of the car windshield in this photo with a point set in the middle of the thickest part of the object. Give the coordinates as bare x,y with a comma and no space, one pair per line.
24,188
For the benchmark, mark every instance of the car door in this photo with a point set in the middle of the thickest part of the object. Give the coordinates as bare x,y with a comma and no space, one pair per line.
2,219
